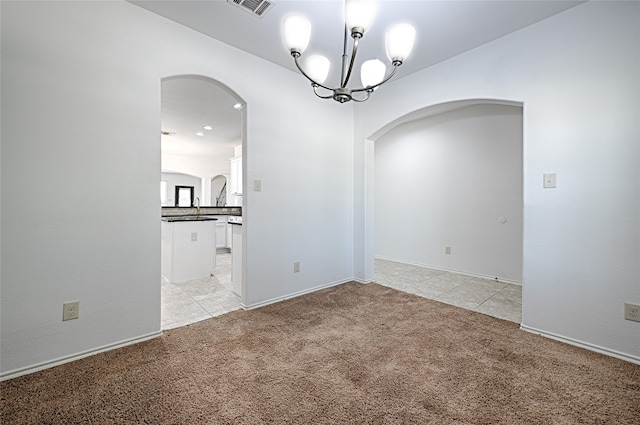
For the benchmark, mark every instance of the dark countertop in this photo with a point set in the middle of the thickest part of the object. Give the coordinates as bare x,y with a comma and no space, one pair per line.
189,218
203,211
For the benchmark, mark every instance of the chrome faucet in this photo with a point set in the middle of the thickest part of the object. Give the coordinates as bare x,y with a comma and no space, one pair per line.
197,205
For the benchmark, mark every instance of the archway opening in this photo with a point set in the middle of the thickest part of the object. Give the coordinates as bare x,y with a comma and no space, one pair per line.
219,191
448,205
202,129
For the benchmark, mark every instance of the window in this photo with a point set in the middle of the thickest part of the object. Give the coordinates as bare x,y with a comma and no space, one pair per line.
184,196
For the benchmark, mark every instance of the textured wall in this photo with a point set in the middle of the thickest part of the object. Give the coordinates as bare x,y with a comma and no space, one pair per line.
454,179
80,133
576,75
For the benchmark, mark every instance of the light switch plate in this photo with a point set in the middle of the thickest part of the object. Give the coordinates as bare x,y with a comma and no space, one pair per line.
550,180
257,185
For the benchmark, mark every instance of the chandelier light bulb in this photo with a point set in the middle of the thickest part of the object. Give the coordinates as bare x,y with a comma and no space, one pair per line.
297,33
400,39
360,13
318,68
372,72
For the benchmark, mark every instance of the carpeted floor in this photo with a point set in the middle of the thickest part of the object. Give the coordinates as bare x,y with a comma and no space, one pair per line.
353,354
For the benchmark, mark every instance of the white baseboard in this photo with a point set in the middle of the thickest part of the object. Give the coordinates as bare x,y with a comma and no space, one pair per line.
499,279
295,294
66,359
364,282
591,347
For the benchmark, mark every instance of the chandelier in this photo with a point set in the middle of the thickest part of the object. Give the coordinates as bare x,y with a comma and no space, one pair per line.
359,15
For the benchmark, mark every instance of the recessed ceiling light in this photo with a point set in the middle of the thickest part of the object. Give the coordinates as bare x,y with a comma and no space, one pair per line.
238,106
200,133
207,127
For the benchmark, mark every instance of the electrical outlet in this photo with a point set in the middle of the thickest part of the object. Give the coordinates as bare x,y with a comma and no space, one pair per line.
296,267
632,312
447,250
70,310
194,236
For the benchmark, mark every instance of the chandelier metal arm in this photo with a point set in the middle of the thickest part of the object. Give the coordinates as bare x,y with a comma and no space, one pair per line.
396,64
344,55
314,83
315,91
356,39
355,99
342,94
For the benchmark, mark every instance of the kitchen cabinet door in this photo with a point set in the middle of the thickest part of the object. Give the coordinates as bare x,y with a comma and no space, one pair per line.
221,234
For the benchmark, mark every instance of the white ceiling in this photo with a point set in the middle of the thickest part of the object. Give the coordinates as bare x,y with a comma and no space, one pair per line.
444,29
189,104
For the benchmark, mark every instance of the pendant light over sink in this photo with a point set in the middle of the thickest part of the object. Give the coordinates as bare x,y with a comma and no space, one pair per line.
359,15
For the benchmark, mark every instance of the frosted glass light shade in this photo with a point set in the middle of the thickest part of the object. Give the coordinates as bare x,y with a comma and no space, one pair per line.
318,68
400,39
297,32
360,13
372,72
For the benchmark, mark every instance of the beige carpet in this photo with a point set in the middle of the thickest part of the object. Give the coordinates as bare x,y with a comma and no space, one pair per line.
354,354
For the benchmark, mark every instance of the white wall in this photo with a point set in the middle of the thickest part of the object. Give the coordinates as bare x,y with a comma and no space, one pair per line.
81,98
179,179
204,167
456,175
577,76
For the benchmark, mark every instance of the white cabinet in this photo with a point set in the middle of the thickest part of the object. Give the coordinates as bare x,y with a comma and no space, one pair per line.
236,258
235,181
188,250
221,234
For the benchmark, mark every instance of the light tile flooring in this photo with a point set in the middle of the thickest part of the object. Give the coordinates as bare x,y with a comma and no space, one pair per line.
491,297
195,300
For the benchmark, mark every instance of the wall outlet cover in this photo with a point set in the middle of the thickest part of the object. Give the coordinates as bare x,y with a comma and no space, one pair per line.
70,310
632,312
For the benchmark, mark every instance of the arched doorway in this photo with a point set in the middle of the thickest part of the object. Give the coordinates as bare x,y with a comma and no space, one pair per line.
455,171
219,191
202,129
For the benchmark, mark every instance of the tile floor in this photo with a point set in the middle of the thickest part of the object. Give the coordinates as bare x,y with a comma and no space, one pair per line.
195,300
491,297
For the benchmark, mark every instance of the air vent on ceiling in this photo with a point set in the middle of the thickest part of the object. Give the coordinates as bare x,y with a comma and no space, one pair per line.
256,7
